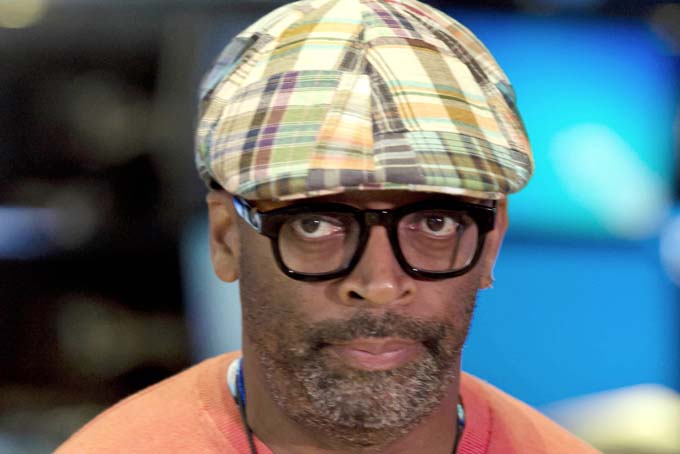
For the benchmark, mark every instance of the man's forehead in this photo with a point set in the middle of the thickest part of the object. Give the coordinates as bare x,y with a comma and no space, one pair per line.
370,199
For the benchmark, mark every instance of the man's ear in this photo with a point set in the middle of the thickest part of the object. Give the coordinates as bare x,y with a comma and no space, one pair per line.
224,239
492,246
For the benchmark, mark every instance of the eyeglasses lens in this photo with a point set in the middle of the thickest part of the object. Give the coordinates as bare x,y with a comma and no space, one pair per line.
318,242
438,241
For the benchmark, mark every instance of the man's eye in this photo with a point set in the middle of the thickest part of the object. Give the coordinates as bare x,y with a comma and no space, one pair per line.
316,227
436,224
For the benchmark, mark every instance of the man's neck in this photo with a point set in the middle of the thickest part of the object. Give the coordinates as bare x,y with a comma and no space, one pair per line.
435,434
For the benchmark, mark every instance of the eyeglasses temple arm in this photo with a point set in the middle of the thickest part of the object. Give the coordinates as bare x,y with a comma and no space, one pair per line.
248,213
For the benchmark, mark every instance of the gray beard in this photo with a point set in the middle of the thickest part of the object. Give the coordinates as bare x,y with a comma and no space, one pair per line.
353,407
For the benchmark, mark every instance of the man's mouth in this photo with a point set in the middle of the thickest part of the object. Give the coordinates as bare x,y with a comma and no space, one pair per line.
376,353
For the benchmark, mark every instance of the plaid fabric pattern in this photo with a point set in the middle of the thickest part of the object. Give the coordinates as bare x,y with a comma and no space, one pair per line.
326,96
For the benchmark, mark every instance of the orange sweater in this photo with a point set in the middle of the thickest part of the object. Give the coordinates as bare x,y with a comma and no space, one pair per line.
193,412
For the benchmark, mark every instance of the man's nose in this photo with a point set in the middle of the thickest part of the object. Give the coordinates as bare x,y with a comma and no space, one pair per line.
377,279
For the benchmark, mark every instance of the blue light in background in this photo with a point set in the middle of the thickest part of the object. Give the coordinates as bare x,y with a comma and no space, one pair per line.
26,232
567,319
581,302
597,83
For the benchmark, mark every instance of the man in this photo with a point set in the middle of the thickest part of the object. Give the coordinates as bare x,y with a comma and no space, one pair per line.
359,154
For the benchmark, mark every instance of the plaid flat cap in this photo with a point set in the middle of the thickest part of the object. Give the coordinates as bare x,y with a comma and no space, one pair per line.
327,96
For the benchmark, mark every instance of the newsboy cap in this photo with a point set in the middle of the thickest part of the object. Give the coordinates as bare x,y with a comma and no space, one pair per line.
327,96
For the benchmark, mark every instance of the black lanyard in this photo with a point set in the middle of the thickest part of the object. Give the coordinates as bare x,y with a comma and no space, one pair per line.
240,396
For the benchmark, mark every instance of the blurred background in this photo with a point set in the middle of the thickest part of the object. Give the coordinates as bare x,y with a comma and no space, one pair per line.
105,280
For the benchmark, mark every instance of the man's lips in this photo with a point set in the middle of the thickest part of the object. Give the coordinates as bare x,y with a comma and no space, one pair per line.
376,353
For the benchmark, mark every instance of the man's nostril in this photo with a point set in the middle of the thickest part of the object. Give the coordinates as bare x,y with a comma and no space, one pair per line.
355,295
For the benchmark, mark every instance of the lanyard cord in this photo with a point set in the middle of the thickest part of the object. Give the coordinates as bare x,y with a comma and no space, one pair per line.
240,396
241,400
460,421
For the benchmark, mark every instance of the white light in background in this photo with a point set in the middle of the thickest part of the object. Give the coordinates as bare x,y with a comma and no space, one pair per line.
21,13
599,169
640,418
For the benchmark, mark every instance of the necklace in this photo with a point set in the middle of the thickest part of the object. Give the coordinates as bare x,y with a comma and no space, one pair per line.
238,390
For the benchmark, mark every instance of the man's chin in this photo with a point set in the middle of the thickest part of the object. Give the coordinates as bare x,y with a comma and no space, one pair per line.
353,439
361,382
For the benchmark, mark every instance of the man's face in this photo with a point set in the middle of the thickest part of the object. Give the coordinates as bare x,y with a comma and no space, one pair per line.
362,358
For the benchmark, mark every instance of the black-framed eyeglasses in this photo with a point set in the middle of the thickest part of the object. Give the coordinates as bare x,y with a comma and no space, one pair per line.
434,239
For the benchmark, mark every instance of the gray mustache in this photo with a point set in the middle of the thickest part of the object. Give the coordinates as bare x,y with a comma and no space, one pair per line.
365,325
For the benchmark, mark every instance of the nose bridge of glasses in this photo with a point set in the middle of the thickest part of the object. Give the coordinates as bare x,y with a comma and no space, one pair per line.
377,217
383,218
